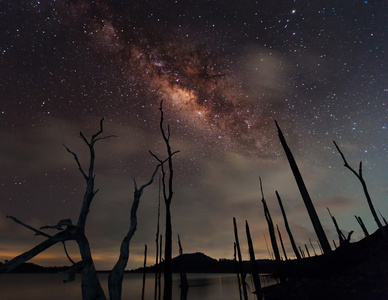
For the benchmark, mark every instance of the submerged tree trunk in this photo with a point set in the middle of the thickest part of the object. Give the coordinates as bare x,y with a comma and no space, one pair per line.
305,195
255,271
237,272
240,265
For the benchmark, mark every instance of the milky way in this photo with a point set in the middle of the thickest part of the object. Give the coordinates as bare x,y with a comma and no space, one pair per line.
225,71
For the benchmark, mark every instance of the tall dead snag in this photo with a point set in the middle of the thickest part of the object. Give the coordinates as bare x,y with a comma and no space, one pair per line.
255,271
385,221
307,250
240,261
281,242
312,246
157,245
238,273
167,194
342,239
364,187
272,235
91,287
305,195
115,278
288,227
271,228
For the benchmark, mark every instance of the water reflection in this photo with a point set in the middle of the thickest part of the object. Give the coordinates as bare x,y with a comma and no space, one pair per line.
50,286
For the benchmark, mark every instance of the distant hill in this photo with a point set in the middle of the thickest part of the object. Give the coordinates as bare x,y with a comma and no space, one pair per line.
191,263
201,263
33,268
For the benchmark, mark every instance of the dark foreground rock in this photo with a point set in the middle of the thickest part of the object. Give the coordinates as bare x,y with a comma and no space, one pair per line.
353,271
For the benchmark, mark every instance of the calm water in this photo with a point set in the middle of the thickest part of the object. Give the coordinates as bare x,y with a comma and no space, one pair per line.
50,286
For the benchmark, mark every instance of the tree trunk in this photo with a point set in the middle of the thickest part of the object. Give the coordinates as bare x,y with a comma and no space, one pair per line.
167,293
241,267
255,271
91,287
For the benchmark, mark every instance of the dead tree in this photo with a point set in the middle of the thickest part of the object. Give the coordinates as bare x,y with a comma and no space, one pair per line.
240,261
167,195
91,287
238,273
385,221
115,278
362,225
307,250
157,245
271,228
305,195
364,187
255,271
341,236
312,246
272,235
288,227
281,242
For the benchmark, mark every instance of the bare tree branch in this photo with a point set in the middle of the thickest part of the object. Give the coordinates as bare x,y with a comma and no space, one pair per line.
77,161
37,232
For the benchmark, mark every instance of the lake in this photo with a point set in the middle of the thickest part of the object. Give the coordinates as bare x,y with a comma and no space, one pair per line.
50,286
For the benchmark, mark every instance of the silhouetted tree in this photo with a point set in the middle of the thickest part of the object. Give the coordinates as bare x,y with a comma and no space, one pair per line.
255,271
288,227
364,187
281,242
115,278
362,225
341,236
167,195
91,287
305,195
237,271
271,228
157,246
240,261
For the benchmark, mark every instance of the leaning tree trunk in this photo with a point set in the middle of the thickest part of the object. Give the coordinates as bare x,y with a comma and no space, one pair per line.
297,254
305,195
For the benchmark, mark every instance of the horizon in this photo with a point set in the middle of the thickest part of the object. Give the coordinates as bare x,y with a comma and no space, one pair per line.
225,71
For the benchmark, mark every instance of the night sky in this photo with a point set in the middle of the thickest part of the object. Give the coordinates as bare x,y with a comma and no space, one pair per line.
225,71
